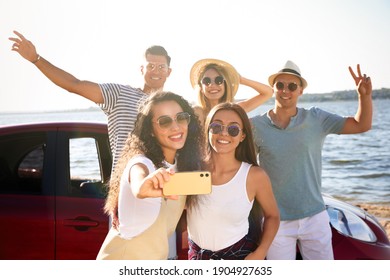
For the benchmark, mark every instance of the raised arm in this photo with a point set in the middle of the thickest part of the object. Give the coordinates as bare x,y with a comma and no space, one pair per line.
362,120
265,93
58,76
145,185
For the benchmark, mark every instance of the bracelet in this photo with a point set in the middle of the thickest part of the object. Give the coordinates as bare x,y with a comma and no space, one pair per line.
38,58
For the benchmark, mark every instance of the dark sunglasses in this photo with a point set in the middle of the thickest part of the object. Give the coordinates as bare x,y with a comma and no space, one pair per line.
217,128
290,86
182,119
218,80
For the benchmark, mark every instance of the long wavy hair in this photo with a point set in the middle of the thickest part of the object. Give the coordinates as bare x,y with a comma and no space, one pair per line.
228,94
141,141
245,152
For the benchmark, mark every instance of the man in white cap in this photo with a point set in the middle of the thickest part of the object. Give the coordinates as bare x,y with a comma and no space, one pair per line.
289,141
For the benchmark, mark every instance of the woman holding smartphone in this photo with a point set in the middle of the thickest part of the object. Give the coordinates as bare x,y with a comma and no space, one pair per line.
157,147
220,224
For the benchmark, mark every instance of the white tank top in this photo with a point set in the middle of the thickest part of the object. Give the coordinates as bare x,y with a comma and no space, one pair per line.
220,219
136,215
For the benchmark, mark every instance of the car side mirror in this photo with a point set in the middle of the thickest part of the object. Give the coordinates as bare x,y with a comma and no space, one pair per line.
93,188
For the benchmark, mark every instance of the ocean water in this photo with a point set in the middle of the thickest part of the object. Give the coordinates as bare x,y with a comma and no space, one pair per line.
356,168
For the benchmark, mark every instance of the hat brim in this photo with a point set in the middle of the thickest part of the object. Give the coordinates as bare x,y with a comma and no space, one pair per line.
231,73
271,79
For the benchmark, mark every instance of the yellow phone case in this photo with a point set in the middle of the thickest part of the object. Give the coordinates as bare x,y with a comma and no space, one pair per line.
188,183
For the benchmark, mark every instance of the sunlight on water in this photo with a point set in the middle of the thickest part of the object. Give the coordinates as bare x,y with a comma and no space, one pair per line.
356,168
14,118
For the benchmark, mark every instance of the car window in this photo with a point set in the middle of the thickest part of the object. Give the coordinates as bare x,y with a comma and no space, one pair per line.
30,171
32,164
84,167
22,158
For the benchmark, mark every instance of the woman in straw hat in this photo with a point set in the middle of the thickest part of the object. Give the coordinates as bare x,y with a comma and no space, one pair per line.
217,81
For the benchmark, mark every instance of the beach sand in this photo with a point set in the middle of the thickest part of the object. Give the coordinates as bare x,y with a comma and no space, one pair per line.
381,212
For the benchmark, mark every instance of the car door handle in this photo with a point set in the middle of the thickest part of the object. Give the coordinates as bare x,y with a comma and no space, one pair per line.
81,223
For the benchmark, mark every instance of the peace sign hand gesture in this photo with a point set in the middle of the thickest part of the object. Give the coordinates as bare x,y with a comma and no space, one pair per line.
363,82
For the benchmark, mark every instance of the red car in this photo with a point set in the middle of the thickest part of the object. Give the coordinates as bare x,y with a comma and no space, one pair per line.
52,186
48,208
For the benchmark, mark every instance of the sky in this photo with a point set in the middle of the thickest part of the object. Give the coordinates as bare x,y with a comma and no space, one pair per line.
104,41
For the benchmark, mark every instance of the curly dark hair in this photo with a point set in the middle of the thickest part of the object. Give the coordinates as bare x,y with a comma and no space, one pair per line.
140,141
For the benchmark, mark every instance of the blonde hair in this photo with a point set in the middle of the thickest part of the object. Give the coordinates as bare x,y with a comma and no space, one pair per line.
228,94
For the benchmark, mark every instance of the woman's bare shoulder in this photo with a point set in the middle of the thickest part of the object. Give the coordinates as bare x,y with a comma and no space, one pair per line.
257,173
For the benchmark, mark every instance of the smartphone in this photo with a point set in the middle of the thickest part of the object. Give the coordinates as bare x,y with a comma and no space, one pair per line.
188,183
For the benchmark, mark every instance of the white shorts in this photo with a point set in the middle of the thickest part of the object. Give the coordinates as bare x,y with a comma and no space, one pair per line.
313,236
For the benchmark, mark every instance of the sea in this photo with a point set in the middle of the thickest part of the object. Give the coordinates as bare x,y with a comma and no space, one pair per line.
355,168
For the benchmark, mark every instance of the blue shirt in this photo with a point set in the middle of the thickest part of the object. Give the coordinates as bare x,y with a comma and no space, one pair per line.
292,158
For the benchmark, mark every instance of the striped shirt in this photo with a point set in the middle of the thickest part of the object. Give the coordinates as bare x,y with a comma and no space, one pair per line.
121,103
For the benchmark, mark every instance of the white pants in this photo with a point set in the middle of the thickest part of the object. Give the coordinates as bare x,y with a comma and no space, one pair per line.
313,236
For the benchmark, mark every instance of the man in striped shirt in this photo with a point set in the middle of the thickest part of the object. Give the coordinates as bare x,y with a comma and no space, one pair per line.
119,102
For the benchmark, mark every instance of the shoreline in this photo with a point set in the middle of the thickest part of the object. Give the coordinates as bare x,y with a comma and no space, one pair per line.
381,212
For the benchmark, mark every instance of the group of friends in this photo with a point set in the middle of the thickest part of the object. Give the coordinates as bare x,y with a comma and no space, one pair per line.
265,170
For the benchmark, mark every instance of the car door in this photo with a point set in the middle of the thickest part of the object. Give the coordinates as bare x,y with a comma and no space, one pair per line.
83,167
27,203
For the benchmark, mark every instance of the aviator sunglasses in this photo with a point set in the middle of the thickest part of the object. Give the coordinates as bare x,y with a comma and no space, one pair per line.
160,67
217,128
291,86
182,119
218,80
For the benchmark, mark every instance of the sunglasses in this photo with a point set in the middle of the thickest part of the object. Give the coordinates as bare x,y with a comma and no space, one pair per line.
232,129
159,67
182,119
218,81
291,86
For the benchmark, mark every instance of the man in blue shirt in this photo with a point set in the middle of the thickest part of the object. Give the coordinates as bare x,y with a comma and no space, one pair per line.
289,141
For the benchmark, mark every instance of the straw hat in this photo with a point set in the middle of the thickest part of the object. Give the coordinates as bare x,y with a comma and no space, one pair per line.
289,68
230,73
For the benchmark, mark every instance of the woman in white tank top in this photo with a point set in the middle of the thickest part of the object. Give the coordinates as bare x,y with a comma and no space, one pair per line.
146,220
226,224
